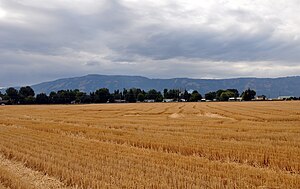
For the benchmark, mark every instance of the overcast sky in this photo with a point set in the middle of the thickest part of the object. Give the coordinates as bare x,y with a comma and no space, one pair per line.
41,40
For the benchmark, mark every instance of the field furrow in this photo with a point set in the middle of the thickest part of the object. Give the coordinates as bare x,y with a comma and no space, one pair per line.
23,177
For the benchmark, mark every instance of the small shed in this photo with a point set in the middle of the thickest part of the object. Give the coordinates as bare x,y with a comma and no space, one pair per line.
149,100
261,98
234,99
168,100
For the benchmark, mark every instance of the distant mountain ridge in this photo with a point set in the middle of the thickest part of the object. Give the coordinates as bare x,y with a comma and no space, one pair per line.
271,87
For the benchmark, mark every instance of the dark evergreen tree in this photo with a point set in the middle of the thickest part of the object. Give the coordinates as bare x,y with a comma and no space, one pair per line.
141,97
13,95
86,99
26,95
130,97
159,97
218,94
185,95
26,91
210,96
235,91
195,96
117,95
102,95
172,94
226,95
248,94
165,93
152,94
42,99
124,94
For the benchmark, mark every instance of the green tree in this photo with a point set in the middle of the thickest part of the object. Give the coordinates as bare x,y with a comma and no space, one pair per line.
171,94
13,95
218,94
124,94
86,99
159,97
152,94
53,99
117,95
248,95
210,96
130,97
42,98
235,91
102,95
226,95
195,96
141,97
26,91
29,100
66,96
186,96
26,95
165,93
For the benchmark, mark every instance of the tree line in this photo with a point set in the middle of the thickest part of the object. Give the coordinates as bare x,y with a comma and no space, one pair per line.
224,95
26,95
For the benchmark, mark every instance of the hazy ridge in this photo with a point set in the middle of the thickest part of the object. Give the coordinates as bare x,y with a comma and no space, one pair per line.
271,87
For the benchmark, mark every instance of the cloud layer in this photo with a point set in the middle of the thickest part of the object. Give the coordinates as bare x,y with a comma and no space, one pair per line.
44,40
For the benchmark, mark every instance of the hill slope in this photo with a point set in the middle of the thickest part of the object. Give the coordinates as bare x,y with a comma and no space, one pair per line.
271,87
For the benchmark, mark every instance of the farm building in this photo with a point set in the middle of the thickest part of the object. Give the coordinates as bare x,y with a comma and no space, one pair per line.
120,101
149,100
168,100
233,99
261,98
285,97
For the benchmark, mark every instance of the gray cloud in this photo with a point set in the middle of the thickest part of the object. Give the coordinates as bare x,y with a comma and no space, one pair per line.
217,39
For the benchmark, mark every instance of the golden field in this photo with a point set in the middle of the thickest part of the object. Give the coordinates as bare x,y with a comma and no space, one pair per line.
154,145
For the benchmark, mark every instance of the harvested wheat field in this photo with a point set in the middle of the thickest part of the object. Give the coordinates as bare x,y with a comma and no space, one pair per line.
155,145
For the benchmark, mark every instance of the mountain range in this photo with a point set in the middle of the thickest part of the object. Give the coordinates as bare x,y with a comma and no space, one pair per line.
271,87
